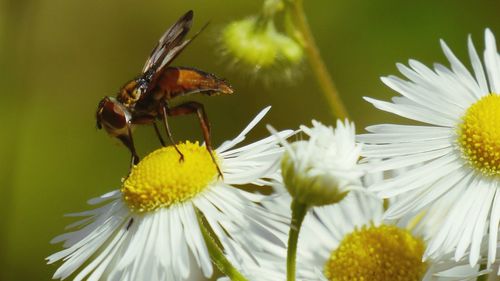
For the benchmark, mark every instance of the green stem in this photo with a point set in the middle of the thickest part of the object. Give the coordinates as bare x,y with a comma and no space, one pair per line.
299,211
483,277
216,253
318,66
386,204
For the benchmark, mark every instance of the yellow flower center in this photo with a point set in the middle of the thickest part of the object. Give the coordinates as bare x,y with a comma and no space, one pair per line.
479,135
379,253
161,179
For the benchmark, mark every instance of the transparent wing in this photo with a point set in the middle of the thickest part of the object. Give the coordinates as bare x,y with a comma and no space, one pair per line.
175,51
170,44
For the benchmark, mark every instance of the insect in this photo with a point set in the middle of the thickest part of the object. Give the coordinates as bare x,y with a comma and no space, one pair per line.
145,99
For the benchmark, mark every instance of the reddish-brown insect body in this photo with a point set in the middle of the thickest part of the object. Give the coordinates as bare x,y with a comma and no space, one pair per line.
145,99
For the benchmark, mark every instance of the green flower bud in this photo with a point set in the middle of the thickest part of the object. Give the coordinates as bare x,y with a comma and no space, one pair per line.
256,42
249,43
290,49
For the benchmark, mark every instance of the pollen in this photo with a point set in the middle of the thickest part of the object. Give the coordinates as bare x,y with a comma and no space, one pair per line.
479,135
162,179
377,253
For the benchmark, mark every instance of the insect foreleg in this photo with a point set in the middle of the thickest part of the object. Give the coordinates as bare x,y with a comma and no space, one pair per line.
128,141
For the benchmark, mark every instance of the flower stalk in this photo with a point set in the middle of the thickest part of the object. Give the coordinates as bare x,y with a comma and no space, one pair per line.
299,211
323,77
216,253
483,277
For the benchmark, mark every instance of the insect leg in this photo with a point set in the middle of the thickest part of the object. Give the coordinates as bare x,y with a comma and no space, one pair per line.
129,224
148,119
196,107
158,134
128,141
165,113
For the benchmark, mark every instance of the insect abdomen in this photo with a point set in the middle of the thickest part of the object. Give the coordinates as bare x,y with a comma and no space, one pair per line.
178,81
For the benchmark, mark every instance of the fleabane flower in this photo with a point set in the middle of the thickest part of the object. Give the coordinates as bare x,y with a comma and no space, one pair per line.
149,230
351,240
322,169
454,158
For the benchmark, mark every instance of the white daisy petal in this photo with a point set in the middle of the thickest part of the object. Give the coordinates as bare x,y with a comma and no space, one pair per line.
494,224
398,129
195,240
460,70
414,97
491,61
413,112
402,137
406,160
479,227
401,149
417,177
229,144
478,69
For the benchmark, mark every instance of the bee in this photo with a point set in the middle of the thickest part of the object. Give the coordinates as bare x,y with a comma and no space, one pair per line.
145,99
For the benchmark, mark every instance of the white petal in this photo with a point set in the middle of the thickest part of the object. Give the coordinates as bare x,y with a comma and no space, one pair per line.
417,177
195,240
404,161
400,149
494,223
478,69
229,144
486,201
491,61
417,113
460,70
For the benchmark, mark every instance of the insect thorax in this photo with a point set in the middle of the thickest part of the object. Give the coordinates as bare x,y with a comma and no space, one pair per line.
131,92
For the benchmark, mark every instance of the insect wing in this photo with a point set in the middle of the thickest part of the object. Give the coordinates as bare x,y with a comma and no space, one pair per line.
171,39
175,51
169,57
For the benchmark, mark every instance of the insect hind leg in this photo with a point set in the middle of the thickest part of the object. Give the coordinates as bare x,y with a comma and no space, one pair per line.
198,108
165,113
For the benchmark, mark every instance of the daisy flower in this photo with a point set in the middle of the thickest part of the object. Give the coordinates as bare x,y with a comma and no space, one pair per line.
454,157
149,229
352,241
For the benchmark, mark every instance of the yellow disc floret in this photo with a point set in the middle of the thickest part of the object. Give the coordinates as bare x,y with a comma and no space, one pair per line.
479,135
161,179
380,253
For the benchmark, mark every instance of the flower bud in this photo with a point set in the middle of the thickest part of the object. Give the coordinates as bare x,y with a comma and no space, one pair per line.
255,42
323,169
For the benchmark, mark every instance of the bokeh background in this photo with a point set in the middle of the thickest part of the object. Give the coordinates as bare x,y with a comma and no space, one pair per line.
59,57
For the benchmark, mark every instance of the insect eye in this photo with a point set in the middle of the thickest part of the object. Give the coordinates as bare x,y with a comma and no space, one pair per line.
98,115
112,114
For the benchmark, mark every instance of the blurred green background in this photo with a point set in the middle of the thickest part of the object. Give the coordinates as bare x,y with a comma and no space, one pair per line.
58,58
